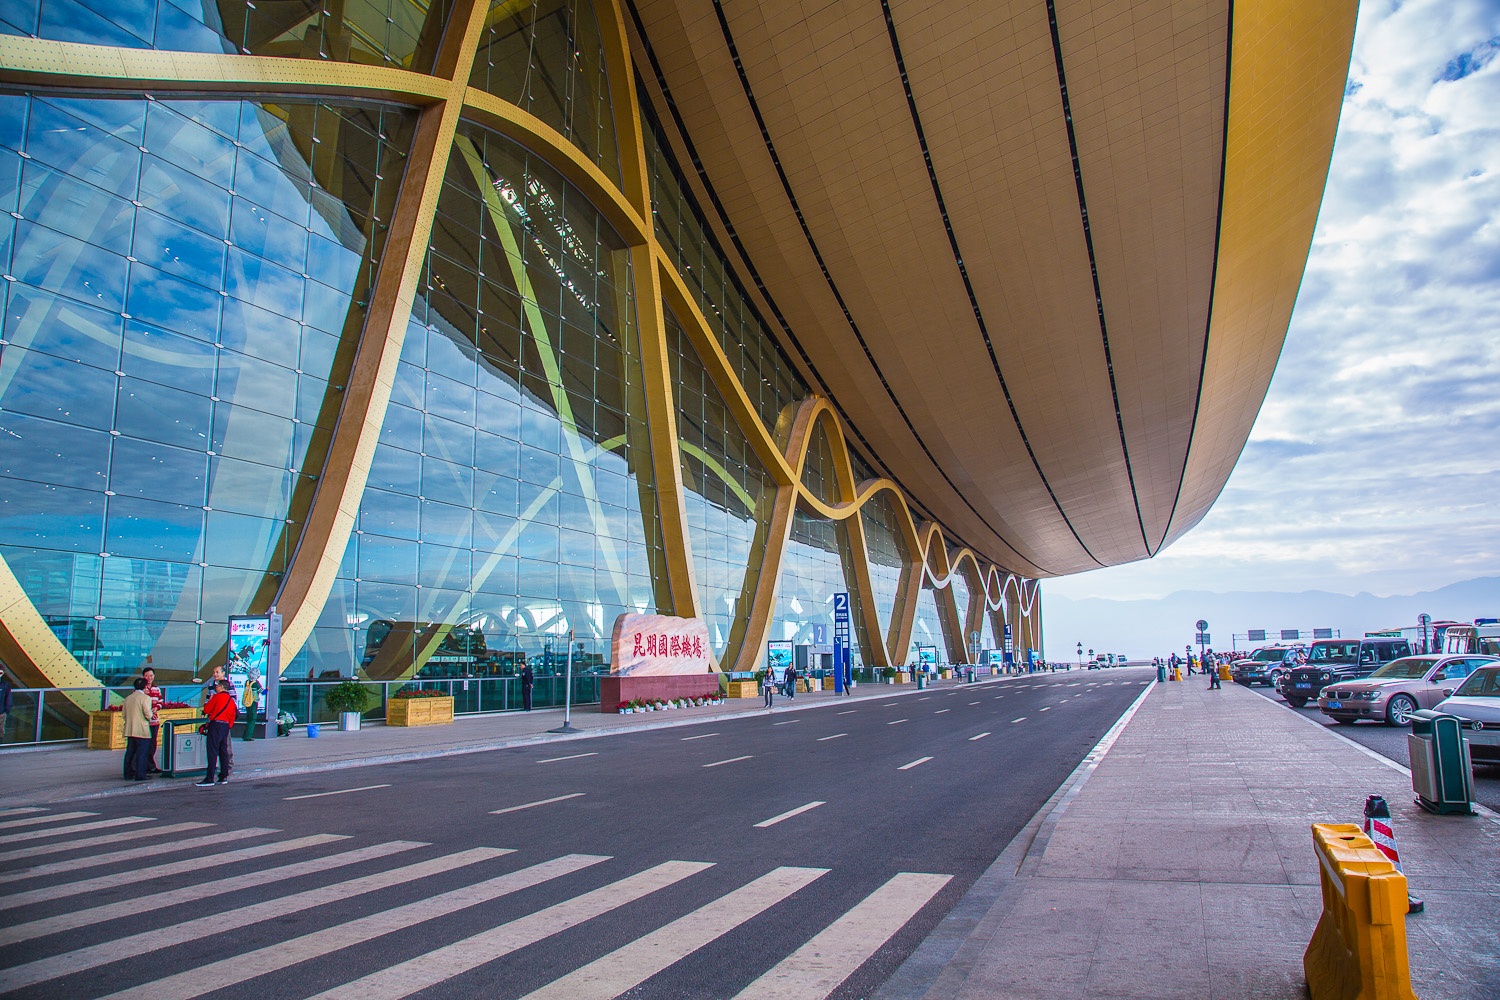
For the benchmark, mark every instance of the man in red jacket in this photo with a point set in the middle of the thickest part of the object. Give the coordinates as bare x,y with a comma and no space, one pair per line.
221,711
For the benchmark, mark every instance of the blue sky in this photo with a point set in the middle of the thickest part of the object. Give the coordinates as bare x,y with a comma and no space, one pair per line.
1373,464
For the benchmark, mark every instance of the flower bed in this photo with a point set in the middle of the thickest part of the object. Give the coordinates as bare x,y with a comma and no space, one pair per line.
419,708
662,704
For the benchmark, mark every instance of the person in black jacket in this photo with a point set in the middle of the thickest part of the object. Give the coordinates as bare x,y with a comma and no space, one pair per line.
528,678
6,702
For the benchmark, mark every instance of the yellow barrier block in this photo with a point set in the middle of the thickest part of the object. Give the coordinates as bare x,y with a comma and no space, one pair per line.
1358,951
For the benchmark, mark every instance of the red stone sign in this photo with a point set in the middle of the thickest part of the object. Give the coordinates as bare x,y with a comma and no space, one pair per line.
657,645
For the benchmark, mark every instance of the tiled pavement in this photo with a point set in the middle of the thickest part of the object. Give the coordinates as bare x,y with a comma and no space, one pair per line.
1184,868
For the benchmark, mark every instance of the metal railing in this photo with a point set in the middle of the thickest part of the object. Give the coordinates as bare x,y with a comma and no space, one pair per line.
59,715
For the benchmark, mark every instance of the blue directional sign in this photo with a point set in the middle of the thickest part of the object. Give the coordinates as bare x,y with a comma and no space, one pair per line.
842,650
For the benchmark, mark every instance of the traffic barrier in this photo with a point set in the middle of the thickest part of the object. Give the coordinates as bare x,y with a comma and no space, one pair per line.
1380,831
1358,951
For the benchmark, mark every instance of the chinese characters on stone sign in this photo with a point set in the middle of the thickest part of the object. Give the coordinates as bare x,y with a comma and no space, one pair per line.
648,644
645,645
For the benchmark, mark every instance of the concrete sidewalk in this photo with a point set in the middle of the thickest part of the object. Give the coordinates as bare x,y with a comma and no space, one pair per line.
50,774
1180,864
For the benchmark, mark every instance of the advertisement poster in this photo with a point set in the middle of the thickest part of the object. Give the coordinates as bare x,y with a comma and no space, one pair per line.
778,657
254,651
927,656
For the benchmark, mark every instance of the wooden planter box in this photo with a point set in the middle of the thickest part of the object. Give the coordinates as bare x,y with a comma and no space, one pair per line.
107,729
418,711
902,677
743,689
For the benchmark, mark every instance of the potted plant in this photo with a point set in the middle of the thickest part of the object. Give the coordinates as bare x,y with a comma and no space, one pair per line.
348,698
889,673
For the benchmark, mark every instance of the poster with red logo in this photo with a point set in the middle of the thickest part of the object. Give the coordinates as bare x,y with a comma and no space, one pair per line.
656,645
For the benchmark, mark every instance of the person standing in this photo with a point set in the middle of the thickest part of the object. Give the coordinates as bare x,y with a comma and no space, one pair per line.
252,702
209,690
768,685
791,680
138,732
7,700
528,680
1212,669
221,711
157,701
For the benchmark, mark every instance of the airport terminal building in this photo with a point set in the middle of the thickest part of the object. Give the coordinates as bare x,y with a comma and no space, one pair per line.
449,329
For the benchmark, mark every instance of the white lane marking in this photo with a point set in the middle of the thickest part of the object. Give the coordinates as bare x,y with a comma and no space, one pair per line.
152,850
850,712
818,967
941,711
897,722
18,810
1073,685
835,736
34,820
973,703
788,722
129,875
203,890
788,814
480,949
908,767
731,760
58,831
571,756
341,791
628,967
979,737
538,802
700,736
232,921
1021,719
271,958
925,698
1046,708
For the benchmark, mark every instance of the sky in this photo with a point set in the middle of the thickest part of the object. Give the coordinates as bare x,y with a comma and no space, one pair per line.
1372,466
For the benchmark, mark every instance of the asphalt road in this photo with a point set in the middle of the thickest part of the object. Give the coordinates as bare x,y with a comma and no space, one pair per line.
657,863
1390,742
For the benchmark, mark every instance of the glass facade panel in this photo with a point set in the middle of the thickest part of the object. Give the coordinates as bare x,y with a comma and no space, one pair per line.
754,356
929,629
728,498
818,564
373,32
547,57
818,472
511,498
159,455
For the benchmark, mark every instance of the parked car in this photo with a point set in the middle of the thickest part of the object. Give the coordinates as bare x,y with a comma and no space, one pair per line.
1477,702
1264,666
1334,660
1393,692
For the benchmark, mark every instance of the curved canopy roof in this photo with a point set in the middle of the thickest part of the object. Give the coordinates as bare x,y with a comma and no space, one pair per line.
1041,255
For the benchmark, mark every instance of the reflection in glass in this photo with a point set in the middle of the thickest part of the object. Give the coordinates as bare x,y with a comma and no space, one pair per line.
930,628
394,33
728,498
170,368
547,57
818,563
511,497
888,554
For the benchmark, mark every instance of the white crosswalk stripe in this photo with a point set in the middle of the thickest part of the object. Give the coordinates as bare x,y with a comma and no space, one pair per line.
149,872
644,957
207,959
58,831
36,850
226,922
18,810
38,820
191,893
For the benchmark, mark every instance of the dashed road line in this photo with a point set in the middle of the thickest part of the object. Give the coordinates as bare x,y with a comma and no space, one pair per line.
788,814
908,767
703,736
896,722
341,791
979,737
731,760
571,756
835,736
538,802
1021,719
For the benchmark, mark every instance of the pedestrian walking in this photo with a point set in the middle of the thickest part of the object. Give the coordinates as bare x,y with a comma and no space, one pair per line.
252,702
221,711
768,685
528,678
791,681
157,701
138,733
7,700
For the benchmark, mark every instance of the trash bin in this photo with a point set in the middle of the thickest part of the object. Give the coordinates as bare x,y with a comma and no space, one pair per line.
1442,773
1161,673
184,749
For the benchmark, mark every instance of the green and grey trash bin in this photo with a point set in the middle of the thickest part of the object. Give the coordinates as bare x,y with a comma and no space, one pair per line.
184,749
1442,774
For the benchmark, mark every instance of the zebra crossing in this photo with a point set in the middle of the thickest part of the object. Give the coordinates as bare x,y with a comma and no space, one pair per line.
252,911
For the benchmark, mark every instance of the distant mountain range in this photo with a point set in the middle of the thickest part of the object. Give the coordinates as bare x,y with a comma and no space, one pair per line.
1146,628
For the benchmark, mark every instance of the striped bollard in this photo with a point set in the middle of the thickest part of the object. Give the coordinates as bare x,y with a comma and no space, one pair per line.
1378,828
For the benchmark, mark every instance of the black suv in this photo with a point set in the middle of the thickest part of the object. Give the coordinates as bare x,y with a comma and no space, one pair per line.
1264,666
1332,660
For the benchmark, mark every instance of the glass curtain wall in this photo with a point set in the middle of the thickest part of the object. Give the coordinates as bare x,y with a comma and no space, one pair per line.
961,597
928,629
728,497
547,57
187,284
511,498
888,555
397,33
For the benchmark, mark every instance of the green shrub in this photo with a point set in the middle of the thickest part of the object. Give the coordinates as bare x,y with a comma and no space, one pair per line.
347,696
889,673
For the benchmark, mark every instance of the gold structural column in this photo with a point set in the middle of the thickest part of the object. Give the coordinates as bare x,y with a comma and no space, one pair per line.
330,521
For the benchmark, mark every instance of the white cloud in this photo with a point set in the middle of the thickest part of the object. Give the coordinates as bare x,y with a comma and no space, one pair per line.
1374,465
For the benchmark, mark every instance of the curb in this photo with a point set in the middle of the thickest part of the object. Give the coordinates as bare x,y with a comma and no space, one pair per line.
508,743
